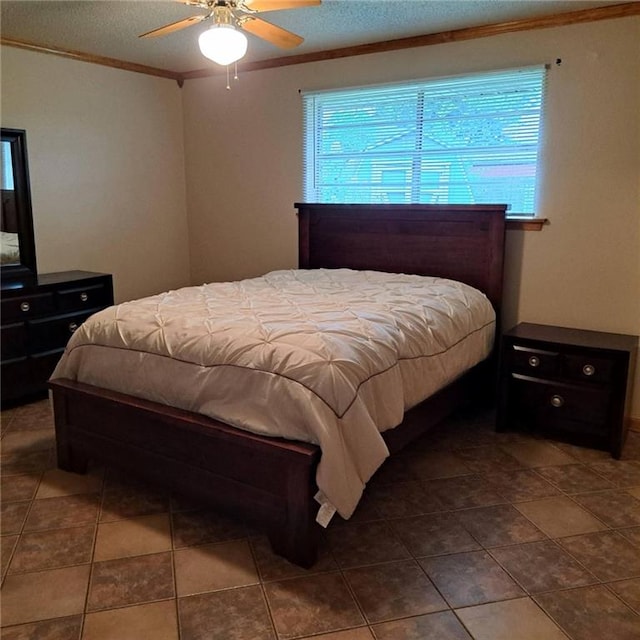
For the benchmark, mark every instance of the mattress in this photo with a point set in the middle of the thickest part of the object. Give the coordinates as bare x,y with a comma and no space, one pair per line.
328,356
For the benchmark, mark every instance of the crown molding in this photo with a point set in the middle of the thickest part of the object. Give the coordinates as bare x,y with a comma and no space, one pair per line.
89,57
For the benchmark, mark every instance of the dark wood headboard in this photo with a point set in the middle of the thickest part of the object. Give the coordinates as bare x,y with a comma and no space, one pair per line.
461,242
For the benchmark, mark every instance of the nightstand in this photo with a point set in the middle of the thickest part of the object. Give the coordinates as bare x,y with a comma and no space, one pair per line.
569,384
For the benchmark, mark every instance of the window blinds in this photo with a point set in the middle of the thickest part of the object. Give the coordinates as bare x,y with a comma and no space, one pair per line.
466,140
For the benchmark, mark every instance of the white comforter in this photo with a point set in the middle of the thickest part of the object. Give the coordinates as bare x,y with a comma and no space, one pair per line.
331,357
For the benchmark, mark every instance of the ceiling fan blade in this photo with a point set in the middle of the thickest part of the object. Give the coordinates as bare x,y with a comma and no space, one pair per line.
267,31
174,26
277,5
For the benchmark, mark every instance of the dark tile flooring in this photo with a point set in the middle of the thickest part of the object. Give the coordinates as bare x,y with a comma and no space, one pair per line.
469,534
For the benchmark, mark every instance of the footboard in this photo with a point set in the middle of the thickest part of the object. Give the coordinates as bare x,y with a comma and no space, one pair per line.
268,482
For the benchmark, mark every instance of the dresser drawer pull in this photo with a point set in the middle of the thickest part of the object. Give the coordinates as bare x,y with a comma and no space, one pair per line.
534,361
84,297
557,401
73,326
588,369
25,306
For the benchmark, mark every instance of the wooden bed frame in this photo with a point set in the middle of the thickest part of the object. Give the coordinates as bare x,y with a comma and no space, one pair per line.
270,482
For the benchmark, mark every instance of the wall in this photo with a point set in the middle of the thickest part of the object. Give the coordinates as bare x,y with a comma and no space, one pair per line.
108,165
244,168
106,161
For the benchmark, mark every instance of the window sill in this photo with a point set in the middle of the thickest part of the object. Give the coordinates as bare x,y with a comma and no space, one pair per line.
526,224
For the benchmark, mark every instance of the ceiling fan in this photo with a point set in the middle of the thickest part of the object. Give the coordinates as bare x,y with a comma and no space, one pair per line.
223,42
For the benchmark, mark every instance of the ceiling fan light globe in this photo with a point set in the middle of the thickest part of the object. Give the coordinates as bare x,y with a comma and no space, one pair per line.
223,43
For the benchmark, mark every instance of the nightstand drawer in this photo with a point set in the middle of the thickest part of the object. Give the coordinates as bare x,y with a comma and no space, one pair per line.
534,362
553,402
585,368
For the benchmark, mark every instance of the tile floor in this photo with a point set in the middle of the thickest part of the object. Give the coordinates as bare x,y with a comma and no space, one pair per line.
470,534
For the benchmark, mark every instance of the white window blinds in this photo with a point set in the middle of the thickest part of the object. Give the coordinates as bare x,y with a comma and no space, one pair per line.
466,140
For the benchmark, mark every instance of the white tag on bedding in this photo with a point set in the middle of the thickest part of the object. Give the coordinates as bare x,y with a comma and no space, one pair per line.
325,513
326,510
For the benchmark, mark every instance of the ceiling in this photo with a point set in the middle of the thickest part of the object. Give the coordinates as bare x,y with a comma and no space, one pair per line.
110,28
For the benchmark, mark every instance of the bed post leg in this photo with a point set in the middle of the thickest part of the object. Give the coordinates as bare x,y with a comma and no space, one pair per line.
68,458
297,539
297,542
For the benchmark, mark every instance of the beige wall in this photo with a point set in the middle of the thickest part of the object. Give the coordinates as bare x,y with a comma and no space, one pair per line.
106,161
244,168
107,168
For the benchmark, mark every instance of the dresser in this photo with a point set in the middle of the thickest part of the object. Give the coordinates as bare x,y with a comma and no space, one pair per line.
38,318
570,384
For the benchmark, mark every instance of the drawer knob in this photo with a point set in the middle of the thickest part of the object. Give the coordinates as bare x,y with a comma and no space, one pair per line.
534,361
84,297
588,369
557,401
73,326
25,306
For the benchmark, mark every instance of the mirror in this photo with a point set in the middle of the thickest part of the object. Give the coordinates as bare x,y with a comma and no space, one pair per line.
18,254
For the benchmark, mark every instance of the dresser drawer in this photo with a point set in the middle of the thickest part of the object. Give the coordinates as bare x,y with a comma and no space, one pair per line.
14,341
26,307
54,333
550,403
15,380
83,298
27,376
42,366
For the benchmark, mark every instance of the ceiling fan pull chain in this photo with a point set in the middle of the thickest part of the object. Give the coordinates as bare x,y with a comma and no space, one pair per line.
235,75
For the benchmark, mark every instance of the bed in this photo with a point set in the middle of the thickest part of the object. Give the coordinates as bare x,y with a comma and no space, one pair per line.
272,482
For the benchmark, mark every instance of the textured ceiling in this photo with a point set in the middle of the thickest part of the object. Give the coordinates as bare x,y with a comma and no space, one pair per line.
110,28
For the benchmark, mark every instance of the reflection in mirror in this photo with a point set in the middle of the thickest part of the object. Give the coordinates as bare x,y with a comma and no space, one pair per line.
17,247
9,245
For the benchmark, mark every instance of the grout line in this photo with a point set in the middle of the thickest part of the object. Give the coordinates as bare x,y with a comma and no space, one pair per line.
173,569
22,526
93,552
550,617
262,585
607,585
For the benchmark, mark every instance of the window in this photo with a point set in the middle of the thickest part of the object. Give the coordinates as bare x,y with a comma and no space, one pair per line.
466,140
